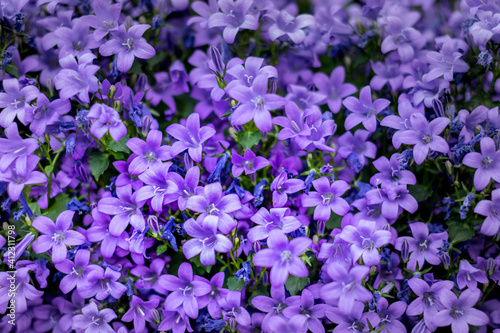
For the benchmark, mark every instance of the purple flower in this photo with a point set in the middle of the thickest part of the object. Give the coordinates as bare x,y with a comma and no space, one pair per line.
56,236
215,207
148,153
255,103
101,284
185,289
75,41
306,308
460,312
234,16
469,276
158,186
428,301
490,209
105,18
126,209
177,321
215,296
487,163
272,306
46,113
93,320
149,276
423,247
364,110
206,241
23,290
283,257
127,45
233,312
365,240
327,198
15,101
21,175
281,186
471,120
389,315
76,271
390,173
386,73
334,87
99,232
445,62
346,285
355,148
405,110
319,129
14,148
106,119
275,218
402,37
140,312
191,137
424,136
294,122
249,163
186,186
253,68
77,78
286,24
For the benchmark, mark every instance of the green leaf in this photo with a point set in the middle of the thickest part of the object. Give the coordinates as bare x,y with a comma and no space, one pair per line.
35,208
160,249
98,164
234,284
294,284
119,146
459,231
48,169
248,139
419,192
197,263
58,207
12,70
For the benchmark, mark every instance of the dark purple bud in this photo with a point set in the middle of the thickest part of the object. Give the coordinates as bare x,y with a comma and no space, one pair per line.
321,227
81,172
153,225
155,316
140,84
405,249
309,180
216,57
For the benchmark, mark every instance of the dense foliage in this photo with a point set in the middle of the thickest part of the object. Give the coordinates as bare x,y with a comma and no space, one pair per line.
250,166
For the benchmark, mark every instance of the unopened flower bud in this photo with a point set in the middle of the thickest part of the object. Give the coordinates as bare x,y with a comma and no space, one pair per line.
116,105
273,85
405,249
153,225
256,246
49,83
129,22
146,125
112,91
438,107
490,266
81,172
321,227
140,84
449,167
216,57
445,258
155,316
387,289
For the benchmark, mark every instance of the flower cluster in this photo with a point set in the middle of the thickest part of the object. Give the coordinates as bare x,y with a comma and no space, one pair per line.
250,166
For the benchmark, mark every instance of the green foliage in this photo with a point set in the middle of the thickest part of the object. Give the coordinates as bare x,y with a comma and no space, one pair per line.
295,284
98,164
